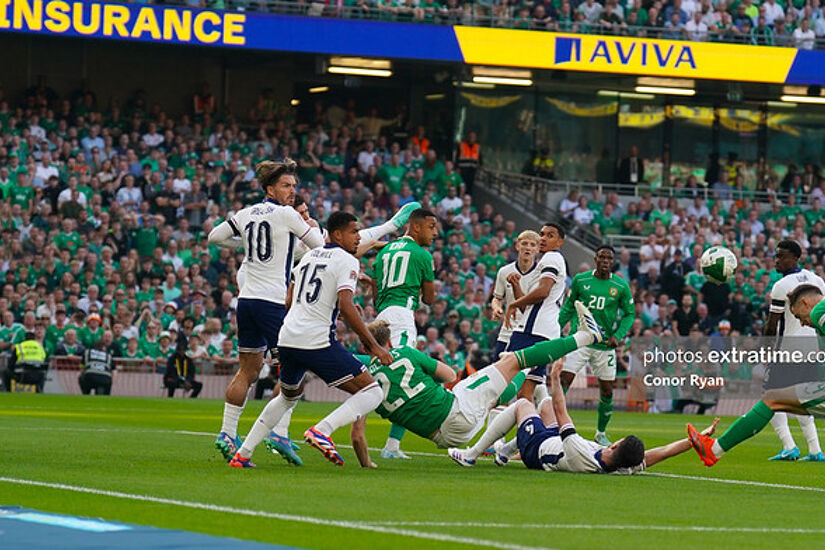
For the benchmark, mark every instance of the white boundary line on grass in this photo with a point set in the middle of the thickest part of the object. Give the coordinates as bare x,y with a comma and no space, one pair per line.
721,529
738,482
389,530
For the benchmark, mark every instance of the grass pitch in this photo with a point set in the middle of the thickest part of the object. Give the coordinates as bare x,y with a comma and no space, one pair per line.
151,461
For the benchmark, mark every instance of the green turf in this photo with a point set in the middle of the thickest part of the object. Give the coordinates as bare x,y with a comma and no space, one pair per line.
132,446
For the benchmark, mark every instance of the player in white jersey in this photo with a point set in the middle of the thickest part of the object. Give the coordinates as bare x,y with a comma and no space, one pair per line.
323,283
268,233
541,306
792,335
548,440
513,281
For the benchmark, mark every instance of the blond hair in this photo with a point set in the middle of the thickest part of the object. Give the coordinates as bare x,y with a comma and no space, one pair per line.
528,235
380,330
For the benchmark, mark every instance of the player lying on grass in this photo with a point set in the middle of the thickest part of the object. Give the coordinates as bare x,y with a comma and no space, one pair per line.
548,440
415,399
806,398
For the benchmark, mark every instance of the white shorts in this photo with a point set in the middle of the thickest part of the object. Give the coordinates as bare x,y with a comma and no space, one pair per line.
402,325
811,396
602,362
474,397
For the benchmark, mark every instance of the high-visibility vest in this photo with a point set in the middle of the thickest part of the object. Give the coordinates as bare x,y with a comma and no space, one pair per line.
30,353
539,162
467,151
423,143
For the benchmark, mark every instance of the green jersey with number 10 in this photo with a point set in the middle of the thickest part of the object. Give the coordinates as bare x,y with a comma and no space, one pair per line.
604,298
400,269
413,398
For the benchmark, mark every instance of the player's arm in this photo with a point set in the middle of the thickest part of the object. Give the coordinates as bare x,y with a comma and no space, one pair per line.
658,454
566,312
445,373
535,296
358,435
428,292
309,235
628,316
226,235
556,391
428,280
289,292
350,314
435,369
777,310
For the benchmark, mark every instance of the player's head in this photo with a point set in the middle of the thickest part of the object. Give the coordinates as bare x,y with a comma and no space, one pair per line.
802,300
787,257
552,237
625,453
605,259
423,227
301,207
343,230
278,179
380,330
527,244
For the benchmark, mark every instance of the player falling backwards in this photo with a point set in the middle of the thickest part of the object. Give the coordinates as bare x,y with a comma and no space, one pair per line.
547,440
605,294
402,270
541,305
323,284
791,335
807,304
269,233
414,398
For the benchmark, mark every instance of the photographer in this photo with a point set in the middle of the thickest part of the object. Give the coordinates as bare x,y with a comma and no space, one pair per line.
97,370
180,372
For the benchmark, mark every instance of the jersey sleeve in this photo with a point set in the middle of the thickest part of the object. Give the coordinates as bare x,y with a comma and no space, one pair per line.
501,284
552,266
427,363
365,359
347,275
427,266
628,312
235,221
311,236
779,296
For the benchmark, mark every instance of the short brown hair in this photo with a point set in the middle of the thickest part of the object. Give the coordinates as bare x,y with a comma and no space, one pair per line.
380,330
269,172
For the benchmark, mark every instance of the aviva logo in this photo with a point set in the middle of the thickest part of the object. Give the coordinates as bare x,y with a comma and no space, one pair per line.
624,52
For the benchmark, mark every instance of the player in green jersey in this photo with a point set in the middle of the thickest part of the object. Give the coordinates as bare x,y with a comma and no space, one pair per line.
402,271
807,398
415,399
605,294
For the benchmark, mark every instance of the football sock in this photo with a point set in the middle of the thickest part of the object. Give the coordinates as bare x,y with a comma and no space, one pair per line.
745,427
540,393
270,416
546,352
496,429
377,232
231,416
780,426
809,431
359,404
510,448
512,389
394,439
282,427
605,410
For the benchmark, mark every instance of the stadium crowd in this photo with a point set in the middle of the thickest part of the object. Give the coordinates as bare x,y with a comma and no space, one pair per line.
105,212
797,24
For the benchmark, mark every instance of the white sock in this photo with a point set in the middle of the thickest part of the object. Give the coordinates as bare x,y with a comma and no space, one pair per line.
510,448
780,426
282,427
231,416
496,429
270,416
809,431
540,394
583,338
717,449
359,404
377,232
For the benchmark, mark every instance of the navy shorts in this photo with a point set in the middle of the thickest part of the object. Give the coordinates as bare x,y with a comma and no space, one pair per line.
333,364
530,435
498,349
521,340
259,322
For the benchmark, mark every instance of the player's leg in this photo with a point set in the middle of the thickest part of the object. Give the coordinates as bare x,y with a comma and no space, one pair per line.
372,234
196,388
85,385
498,428
339,368
402,333
808,426
789,451
603,363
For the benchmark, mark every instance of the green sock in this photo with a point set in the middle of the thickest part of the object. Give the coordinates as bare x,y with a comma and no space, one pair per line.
605,411
397,432
746,426
545,352
512,388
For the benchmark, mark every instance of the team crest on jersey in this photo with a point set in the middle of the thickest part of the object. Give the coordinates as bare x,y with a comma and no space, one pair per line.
353,275
613,292
821,320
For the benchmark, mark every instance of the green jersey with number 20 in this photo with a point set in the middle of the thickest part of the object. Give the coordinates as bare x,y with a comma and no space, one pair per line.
413,398
604,298
400,269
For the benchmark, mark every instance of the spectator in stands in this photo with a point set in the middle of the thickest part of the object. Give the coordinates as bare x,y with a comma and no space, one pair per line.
631,168
696,28
804,37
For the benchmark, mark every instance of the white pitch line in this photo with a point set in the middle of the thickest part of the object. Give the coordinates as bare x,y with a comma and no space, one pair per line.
698,528
738,482
272,515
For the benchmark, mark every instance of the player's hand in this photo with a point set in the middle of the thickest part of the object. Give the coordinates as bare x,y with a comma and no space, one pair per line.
613,342
365,280
383,355
313,223
712,428
510,316
513,278
496,315
556,370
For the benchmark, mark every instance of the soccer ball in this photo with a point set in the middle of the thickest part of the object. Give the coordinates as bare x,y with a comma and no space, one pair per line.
718,264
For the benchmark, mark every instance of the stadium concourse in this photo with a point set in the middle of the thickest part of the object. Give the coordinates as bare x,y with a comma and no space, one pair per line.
105,209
